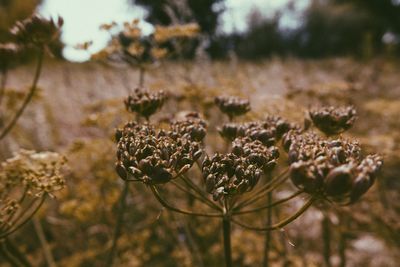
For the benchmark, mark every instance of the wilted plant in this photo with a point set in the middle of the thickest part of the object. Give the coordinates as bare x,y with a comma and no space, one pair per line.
36,32
26,181
325,169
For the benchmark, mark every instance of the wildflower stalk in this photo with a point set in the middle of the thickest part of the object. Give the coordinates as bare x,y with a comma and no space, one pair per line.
43,242
326,237
342,249
15,253
7,255
28,97
267,243
3,83
141,76
118,225
226,227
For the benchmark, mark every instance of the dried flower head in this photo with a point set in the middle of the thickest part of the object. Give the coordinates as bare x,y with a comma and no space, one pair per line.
151,156
232,106
191,127
252,130
37,30
332,168
229,175
144,102
8,54
278,125
25,180
332,120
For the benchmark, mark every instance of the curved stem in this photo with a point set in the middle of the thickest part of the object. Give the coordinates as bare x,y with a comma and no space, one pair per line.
45,245
226,227
28,97
8,256
259,194
267,241
200,192
3,83
118,226
276,203
170,207
14,250
281,224
24,221
199,198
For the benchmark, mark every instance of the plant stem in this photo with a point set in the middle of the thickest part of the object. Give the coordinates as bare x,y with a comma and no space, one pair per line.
16,253
42,238
28,97
118,226
3,84
326,236
7,255
267,244
141,76
342,249
226,226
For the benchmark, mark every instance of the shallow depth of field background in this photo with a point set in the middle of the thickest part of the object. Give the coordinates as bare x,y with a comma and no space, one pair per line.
285,56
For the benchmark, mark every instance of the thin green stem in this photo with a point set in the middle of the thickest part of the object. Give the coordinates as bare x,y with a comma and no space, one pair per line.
226,227
28,97
165,204
282,223
118,225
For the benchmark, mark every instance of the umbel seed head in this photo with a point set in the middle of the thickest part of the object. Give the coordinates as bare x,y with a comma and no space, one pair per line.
37,30
232,106
332,120
144,102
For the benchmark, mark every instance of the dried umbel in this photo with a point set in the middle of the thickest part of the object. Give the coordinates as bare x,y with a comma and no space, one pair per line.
333,120
25,181
277,125
252,130
37,30
332,169
229,175
232,106
191,127
153,157
256,153
8,54
144,102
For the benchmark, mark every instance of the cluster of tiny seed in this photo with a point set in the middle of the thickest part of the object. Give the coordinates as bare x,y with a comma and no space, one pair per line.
256,153
232,106
153,157
144,102
28,175
228,175
332,120
191,127
331,168
37,30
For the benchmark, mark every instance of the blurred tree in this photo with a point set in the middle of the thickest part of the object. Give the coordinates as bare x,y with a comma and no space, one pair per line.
165,12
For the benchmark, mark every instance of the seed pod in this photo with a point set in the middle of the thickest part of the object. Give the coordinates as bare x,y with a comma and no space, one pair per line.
339,181
121,171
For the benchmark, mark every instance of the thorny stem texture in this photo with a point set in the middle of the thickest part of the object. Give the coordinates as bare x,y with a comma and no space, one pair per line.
118,226
28,97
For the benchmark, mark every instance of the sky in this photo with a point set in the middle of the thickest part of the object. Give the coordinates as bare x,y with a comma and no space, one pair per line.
82,19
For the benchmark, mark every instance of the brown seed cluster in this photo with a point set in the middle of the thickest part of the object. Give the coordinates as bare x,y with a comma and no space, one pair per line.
331,168
191,127
232,106
268,131
144,102
227,175
8,54
151,156
37,30
331,120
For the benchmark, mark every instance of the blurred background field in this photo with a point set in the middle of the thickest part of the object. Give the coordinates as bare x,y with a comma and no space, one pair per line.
284,57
